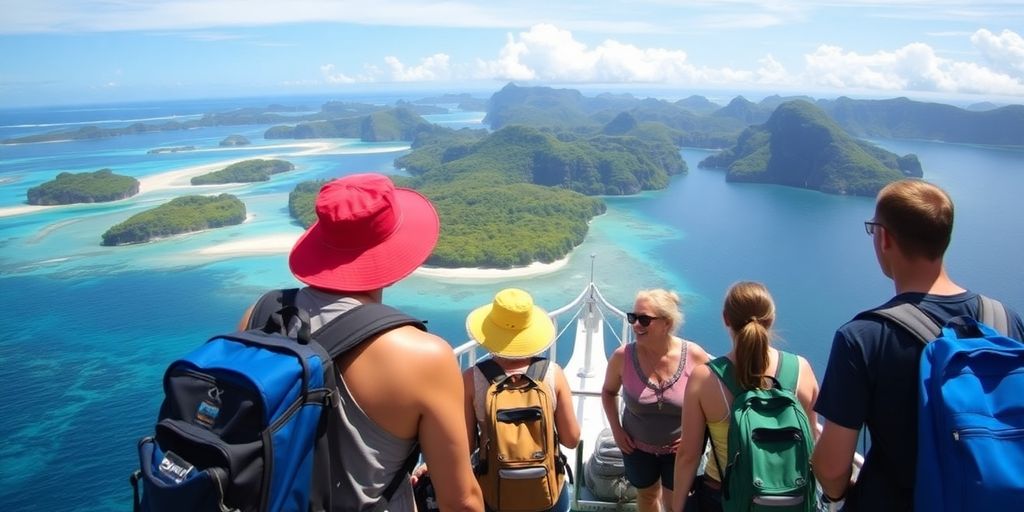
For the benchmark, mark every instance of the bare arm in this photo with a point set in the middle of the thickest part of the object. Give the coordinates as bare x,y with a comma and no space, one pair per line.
565,417
469,390
442,430
243,324
610,400
808,393
691,448
832,460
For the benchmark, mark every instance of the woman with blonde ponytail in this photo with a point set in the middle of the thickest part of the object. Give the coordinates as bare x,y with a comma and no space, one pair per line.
748,314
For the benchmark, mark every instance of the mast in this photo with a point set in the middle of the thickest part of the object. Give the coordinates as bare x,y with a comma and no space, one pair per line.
589,323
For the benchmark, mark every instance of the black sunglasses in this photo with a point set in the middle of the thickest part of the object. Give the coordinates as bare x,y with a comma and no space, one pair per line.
869,226
644,320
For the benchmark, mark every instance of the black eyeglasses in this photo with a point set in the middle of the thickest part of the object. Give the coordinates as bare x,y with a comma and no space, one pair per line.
644,320
869,226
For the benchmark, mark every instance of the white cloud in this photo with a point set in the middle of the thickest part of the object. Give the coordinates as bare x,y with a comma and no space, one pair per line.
434,67
1004,52
546,52
332,77
913,67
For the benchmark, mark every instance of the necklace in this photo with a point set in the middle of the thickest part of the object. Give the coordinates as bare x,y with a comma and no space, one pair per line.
659,391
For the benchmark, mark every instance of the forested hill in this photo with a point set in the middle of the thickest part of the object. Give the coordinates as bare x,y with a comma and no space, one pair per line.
393,124
800,146
84,187
901,118
625,159
484,224
273,114
183,214
567,109
700,123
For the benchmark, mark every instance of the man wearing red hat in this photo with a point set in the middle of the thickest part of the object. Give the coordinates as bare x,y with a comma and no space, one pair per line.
368,236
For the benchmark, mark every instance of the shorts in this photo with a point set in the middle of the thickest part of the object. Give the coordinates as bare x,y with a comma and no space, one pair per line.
644,469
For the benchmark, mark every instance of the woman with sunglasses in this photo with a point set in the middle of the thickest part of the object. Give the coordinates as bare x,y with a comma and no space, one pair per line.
652,374
748,313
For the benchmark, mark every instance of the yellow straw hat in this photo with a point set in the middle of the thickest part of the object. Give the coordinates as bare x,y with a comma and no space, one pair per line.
511,326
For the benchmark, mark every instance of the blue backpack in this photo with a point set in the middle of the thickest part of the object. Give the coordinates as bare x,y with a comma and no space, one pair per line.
245,422
970,450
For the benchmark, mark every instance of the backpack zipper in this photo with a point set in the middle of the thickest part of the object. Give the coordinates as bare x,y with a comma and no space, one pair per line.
988,432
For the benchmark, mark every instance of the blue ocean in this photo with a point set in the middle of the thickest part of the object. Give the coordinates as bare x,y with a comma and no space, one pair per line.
87,330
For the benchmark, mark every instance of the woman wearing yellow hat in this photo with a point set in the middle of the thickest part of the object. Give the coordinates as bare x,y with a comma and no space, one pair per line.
516,333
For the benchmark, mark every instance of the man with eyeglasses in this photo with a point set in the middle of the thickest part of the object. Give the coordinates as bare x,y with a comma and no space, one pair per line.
872,373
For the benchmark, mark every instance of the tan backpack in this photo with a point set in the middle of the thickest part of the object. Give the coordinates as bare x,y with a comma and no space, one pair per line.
521,468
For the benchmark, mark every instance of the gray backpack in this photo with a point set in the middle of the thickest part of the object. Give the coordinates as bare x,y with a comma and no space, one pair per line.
604,473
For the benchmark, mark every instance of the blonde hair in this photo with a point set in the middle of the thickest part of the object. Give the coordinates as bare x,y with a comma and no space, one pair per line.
666,304
919,216
750,312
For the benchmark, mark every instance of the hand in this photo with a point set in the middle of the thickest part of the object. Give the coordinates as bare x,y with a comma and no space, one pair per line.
675,444
417,473
623,440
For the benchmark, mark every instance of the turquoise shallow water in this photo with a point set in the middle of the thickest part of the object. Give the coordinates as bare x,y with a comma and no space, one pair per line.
88,330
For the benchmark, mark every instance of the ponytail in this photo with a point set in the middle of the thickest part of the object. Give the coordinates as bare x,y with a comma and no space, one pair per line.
750,312
751,354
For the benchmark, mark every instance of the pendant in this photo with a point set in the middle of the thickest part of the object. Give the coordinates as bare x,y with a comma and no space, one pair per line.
660,400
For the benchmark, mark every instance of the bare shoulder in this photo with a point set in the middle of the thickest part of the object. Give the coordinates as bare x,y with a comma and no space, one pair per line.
805,366
415,343
700,373
697,352
618,354
407,353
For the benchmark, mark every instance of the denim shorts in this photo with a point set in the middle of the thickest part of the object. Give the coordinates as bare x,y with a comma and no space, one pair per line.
643,469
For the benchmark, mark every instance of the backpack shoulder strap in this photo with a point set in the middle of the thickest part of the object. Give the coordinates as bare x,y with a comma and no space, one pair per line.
491,370
788,372
270,303
992,313
910,317
538,368
723,368
359,324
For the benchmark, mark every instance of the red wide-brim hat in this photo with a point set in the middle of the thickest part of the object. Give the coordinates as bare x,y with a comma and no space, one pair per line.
368,235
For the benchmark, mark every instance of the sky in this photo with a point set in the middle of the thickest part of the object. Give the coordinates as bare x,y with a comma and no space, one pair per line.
103,51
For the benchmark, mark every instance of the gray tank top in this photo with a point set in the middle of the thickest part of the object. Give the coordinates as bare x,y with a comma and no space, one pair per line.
370,456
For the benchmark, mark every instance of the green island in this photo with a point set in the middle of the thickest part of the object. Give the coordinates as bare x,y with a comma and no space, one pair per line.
86,187
595,162
246,171
517,193
393,124
234,141
181,215
490,225
800,146
694,121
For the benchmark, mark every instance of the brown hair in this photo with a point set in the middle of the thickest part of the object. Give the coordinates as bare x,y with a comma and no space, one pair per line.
750,312
919,216
667,305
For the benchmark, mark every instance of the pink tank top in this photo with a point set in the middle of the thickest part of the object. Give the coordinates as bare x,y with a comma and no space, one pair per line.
652,413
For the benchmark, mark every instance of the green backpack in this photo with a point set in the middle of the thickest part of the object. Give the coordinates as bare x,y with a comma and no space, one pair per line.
770,443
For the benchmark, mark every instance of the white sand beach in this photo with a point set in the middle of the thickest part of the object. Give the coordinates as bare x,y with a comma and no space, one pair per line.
180,178
273,244
534,269
25,208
